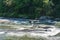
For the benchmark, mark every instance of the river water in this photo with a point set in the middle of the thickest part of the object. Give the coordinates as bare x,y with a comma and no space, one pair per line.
5,32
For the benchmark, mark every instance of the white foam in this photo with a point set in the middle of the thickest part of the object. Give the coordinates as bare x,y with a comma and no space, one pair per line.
15,34
2,32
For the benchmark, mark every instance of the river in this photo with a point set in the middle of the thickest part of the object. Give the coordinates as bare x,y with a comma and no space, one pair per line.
7,32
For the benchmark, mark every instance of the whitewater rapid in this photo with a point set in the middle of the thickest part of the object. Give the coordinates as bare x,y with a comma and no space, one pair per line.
28,33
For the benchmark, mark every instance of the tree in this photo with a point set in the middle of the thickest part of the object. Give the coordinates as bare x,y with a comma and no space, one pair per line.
29,8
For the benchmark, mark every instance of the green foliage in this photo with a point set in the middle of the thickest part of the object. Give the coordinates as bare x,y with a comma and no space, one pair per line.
29,8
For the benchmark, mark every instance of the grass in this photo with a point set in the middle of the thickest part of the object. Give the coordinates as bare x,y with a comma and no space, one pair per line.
24,38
